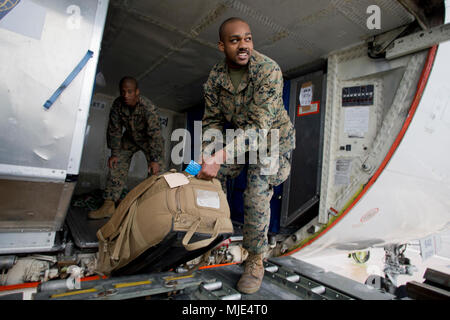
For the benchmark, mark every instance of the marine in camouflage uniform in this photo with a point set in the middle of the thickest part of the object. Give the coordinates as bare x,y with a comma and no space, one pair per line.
142,132
255,104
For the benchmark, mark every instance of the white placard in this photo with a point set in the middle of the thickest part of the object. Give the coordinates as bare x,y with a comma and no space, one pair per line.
306,94
427,247
342,173
356,122
206,198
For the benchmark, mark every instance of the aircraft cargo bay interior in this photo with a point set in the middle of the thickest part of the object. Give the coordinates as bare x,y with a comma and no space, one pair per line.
363,89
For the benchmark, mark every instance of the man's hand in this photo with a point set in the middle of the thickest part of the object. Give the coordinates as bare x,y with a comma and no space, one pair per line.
211,165
112,162
153,168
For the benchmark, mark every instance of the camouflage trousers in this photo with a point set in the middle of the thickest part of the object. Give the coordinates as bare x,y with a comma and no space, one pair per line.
257,196
118,176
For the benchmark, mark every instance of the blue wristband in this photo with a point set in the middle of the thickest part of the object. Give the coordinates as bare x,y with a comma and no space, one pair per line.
193,168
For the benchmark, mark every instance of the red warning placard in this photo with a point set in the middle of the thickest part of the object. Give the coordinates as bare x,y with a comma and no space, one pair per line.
313,108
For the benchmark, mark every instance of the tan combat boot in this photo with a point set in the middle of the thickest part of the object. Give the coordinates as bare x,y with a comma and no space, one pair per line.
251,279
105,211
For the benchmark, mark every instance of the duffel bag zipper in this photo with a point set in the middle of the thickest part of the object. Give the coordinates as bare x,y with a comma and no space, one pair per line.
178,202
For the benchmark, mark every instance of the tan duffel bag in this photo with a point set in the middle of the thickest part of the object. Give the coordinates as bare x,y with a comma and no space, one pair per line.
153,210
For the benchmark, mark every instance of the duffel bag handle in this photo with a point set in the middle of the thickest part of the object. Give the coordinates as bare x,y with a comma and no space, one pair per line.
201,243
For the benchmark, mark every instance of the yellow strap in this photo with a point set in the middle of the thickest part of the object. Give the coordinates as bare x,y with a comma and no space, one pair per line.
71,293
132,284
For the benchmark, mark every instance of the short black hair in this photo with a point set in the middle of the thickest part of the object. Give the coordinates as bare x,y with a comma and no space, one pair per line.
130,79
222,26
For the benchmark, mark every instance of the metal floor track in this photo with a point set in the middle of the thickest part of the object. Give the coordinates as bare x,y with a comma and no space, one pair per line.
285,278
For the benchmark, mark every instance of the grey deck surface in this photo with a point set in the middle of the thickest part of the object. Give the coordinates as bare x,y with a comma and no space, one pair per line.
83,229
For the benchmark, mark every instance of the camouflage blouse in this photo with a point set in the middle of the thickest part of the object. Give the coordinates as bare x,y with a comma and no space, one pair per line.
142,129
256,104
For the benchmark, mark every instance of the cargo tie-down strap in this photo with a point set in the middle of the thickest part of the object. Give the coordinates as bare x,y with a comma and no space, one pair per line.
69,79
